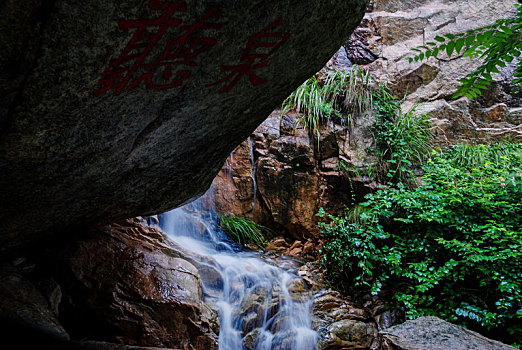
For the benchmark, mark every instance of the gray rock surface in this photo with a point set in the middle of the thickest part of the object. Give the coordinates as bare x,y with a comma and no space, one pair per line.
95,128
432,333
383,43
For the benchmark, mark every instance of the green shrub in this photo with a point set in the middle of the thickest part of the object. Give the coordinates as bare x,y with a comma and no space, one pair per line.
243,230
451,247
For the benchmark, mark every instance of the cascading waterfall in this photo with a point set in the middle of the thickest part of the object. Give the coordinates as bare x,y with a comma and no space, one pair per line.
259,306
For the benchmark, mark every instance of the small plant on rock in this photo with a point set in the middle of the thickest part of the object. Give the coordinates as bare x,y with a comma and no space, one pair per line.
243,230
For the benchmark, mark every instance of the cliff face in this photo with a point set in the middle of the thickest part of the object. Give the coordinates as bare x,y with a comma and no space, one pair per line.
280,177
384,40
110,110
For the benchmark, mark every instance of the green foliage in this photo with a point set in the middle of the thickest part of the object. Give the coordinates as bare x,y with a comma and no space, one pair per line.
403,138
244,230
451,247
340,94
497,44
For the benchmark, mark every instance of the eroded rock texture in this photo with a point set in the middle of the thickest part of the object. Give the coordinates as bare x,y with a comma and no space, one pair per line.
384,40
113,109
281,176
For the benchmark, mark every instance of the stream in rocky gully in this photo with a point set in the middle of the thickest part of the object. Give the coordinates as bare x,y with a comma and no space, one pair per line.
260,300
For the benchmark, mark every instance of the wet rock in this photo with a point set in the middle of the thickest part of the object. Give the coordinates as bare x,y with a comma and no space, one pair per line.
129,284
249,340
294,176
52,292
289,194
97,345
298,290
386,316
88,136
432,333
292,339
233,189
250,322
313,275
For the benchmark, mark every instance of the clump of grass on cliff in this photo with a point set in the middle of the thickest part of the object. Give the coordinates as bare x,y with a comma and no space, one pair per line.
402,137
340,94
243,230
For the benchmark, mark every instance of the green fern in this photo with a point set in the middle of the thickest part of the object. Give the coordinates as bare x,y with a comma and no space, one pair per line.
497,44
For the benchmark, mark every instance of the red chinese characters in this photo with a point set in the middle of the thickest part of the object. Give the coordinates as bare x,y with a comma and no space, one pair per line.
169,69
259,48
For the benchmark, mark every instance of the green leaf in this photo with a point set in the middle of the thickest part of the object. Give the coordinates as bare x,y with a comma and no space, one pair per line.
449,48
440,39
470,40
507,58
459,45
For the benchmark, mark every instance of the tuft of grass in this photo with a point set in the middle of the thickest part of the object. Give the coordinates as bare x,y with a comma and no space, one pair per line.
470,156
243,230
359,215
341,94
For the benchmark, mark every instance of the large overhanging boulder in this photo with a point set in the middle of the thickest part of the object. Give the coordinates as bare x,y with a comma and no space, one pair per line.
116,108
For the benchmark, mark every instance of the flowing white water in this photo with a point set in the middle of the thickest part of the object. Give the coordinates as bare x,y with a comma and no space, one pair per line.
257,301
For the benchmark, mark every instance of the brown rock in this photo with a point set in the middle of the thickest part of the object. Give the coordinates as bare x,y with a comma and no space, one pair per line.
308,247
385,38
289,194
132,280
24,312
277,244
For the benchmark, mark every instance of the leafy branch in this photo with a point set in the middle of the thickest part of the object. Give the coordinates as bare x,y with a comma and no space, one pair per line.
497,44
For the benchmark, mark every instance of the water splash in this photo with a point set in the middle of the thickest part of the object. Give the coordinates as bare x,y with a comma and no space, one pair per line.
261,305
